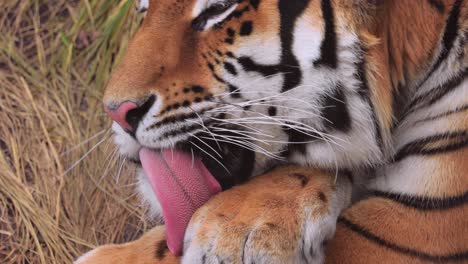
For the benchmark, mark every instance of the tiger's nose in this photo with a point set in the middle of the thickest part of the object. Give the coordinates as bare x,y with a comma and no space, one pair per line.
129,114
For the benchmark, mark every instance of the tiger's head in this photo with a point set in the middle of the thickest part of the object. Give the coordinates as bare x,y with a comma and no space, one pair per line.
246,85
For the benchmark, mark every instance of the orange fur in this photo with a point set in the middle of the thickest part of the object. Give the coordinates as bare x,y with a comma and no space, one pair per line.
149,249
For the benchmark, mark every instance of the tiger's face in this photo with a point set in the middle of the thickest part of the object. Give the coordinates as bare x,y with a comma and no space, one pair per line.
246,85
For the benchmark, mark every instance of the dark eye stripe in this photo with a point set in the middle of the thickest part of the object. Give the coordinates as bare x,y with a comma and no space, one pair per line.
217,9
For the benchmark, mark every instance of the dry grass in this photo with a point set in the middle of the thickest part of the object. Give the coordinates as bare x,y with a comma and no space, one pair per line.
59,195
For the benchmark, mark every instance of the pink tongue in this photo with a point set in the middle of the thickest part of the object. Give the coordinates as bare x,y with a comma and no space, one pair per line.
182,186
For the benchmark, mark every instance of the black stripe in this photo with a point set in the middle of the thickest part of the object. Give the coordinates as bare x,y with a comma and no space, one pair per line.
289,13
289,65
348,174
178,118
246,28
182,131
298,139
219,79
437,5
456,140
303,254
328,56
244,248
266,70
161,249
230,68
400,99
335,110
234,91
448,39
255,3
304,180
424,203
171,120
434,95
445,114
459,256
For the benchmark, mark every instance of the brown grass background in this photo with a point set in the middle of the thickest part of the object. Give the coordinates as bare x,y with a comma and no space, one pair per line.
63,188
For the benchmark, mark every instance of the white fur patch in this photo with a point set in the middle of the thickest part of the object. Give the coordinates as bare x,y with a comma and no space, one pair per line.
219,18
143,5
127,145
305,32
86,257
201,5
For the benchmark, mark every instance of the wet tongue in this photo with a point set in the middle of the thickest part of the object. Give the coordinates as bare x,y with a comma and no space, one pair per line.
181,185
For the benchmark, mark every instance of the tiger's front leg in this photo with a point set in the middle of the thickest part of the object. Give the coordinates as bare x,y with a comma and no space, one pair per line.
285,216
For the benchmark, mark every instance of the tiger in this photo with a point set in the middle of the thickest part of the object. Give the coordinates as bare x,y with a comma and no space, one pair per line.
331,131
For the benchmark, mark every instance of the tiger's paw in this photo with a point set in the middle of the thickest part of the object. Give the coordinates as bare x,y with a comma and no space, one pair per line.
285,216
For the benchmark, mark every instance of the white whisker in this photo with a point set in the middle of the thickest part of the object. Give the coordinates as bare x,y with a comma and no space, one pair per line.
120,170
250,146
193,158
85,142
219,162
206,144
203,125
84,156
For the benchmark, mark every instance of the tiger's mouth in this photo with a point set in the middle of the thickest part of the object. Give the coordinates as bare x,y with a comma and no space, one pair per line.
183,180
183,176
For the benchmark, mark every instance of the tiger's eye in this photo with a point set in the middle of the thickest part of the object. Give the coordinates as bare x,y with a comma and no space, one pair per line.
200,22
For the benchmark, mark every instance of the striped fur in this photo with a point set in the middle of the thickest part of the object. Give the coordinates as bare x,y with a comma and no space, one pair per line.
372,92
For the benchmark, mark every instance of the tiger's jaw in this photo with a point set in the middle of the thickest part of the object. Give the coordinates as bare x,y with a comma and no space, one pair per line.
229,163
